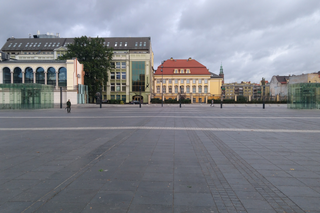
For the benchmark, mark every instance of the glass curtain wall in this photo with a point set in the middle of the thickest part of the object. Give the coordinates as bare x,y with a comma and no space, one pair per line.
304,96
138,76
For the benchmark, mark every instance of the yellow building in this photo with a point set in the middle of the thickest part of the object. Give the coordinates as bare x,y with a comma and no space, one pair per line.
188,79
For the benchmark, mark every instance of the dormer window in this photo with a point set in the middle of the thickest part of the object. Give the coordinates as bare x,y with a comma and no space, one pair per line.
120,44
116,44
182,71
125,44
175,70
187,71
108,44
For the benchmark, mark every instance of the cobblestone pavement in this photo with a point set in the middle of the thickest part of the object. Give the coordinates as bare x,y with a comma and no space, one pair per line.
160,159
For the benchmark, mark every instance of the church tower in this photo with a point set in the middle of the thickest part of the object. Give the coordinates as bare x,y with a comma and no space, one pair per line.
221,74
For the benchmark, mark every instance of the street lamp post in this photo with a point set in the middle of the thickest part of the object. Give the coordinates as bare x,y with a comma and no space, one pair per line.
221,99
140,97
180,97
162,85
263,105
100,97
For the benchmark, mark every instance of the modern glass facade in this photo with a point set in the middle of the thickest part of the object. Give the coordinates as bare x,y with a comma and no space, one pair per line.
304,96
138,76
26,96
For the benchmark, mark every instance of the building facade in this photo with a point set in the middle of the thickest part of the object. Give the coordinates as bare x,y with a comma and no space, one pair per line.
250,91
279,87
186,78
67,74
130,77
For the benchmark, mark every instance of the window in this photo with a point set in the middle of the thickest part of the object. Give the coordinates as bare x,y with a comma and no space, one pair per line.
123,75
62,76
175,70
40,75
125,44
136,44
17,75
112,64
194,81
205,89
200,81
163,89
170,89
140,44
182,90
176,89
120,44
176,81
158,89
6,75
108,44
188,89
188,71
51,76
144,44
170,81
112,75
118,75
124,98
199,89
116,44
158,81
117,65
164,81
205,81
118,97
112,97
181,71
123,87
112,88
181,81
188,81
28,75
123,65
193,89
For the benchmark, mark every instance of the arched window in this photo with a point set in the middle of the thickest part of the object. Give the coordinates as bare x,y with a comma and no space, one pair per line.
40,75
200,89
28,75
205,89
62,77
17,75
6,75
51,76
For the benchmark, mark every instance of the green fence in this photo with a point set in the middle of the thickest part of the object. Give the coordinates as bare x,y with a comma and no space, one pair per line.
26,96
304,96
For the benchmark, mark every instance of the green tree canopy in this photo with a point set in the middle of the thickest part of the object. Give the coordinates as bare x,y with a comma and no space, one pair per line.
95,57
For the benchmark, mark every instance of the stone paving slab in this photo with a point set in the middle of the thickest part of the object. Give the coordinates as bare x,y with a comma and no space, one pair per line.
160,159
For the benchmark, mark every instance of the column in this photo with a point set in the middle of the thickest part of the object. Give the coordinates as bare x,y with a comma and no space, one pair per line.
155,86
185,86
57,79
167,85
191,81
179,86
202,85
209,91
192,99
161,87
34,77
197,82
23,75
11,77
45,78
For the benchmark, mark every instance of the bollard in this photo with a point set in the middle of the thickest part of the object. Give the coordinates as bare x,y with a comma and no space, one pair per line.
221,105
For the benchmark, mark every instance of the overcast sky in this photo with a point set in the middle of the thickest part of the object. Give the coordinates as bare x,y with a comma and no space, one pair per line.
252,38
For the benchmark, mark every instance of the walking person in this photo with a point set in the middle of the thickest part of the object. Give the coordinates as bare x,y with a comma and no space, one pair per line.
68,106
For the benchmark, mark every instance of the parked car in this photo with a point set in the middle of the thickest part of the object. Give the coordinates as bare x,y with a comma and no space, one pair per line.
135,102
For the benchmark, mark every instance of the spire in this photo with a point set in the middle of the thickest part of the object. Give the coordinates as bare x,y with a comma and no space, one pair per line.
221,68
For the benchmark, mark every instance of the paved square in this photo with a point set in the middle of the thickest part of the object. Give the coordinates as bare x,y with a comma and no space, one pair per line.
160,159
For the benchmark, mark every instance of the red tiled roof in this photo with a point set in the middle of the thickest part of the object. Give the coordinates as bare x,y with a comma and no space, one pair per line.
194,66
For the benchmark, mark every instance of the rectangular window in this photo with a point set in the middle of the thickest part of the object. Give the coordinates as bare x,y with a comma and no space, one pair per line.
118,75
138,76
112,75
158,81
176,81
120,44
123,75
205,89
181,81
118,65
200,81
176,71
181,71
194,81
164,81
112,97
136,44
176,89
123,65
182,90
118,87
205,81
112,87
170,81
123,87
118,97
188,89
194,100
170,89
200,89
158,89
116,44
188,81
163,89
193,89
125,44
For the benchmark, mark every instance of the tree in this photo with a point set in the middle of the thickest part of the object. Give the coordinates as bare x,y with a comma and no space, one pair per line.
95,57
